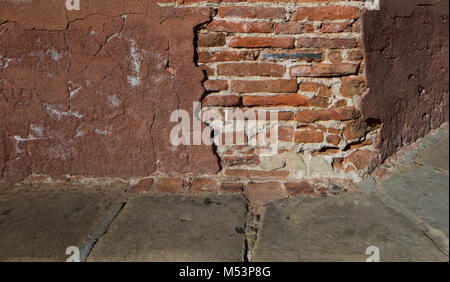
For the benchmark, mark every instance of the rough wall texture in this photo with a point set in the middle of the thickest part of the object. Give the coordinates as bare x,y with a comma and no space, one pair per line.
91,92
407,69
303,60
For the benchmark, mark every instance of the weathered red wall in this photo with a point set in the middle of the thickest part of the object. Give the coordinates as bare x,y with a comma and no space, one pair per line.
91,92
407,68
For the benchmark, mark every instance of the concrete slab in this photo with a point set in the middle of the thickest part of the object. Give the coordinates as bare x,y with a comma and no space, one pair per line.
423,193
340,229
436,154
176,228
39,223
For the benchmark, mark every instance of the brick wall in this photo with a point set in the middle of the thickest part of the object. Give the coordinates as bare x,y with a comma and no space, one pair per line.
301,59
70,111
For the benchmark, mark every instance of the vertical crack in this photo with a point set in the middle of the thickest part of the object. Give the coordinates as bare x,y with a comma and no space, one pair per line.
253,224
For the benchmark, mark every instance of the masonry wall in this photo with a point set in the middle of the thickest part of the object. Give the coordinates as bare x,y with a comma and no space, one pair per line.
303,60
89,93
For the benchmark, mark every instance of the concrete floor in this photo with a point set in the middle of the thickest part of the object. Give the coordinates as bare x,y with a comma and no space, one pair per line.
405,215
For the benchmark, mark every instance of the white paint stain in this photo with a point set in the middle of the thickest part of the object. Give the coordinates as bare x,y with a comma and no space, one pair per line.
55,55
75,92
114,101
80,132
6,62
102,132
19,140
37,130
135,80
54,111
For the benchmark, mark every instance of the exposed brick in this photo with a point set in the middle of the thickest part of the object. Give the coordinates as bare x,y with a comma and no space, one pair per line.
325,70
204,185
346,113
225,56
230,187
333,139
262,42
270,86
240,160
250,69
259,194
355,129
211,39
251,12
246,173
240,27
294,188
352,86
361,159
169,185
293,28
144,186
329,43
221,100
308,137
325,13
276,100
216,85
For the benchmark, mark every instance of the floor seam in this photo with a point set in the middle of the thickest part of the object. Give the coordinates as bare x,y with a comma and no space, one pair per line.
99,230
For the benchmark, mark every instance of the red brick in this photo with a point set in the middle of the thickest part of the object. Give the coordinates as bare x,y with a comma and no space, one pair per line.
308,137
346,113
225,56
352,86
361,158
270,86
211,40
262,193
169,185
144,186
230,187
240,27
250,69
221,100
299,188
293,28
246,173
215,85
204,185
324,70
262,42
275,100
240,160
325,13
329,43
250,12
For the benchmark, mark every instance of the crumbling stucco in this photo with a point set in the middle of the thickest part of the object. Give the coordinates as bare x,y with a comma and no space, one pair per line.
407,70
91,92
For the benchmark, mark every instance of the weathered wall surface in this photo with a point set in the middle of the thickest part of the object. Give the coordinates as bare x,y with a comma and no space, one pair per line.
303,60
407,69
90,92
